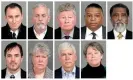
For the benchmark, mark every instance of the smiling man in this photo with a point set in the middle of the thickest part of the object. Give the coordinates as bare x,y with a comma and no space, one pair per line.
67,57
93,28
14,57
14,28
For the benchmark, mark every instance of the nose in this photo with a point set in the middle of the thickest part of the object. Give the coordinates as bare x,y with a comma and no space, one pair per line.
66,20
40,59
40,18
92,18
12,58
67,57
14,20
119,17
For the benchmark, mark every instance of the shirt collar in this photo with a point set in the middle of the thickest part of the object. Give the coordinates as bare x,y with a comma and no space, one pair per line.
16,32
17,74
117,33
40,36
71,34
73,71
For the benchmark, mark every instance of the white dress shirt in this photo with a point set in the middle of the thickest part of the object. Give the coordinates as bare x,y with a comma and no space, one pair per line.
69,75
16,32
17,75
71,34
117,33
40,36
88,35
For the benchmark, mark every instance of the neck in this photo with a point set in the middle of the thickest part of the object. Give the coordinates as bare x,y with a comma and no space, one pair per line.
67,32
38,71
68,69
96,65
94,29
13,71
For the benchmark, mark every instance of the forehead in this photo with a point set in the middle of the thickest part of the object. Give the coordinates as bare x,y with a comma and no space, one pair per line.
67,50
66,13
119,10
91,49
40,52
93,9
13,10
14,50
40,9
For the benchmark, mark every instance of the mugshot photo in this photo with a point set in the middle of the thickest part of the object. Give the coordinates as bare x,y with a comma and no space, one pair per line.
13,59
13,20
40,17
40,59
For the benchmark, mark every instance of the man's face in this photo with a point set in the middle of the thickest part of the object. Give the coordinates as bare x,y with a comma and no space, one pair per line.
14,18
93,18
13,59
67,58
40,17
66,20
93,57
119,19
40,60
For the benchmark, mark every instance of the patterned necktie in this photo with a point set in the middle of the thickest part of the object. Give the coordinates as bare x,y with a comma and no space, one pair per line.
12,76
94,35
13,36
67,37
120,35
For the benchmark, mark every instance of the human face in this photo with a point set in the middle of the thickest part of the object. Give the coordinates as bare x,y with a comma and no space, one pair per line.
93,18
93,57
40,17
13,59
39,60
14,18
119,19
67,58
67,20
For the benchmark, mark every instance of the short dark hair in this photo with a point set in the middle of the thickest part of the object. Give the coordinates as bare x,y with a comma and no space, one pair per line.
94,5
119,5
13,5
11,46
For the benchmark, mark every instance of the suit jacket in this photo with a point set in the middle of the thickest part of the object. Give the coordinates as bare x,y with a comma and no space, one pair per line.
75,35
58,73
3,73
6,34
111,35
48,35
83,32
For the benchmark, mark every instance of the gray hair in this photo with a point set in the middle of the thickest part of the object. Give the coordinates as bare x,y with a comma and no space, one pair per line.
42,5
94,45
66,7
66,45
41,47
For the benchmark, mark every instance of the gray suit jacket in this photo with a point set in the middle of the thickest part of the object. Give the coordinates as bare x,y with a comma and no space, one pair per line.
83,32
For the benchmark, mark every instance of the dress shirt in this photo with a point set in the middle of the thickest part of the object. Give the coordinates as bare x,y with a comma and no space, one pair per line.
68,75
16,32
117,33
71,35
17,75
98,33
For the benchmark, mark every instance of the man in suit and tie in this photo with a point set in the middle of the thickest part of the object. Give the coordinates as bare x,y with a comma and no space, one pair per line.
119,14
40,18
93,28
14,56
66,18
14,28
67,57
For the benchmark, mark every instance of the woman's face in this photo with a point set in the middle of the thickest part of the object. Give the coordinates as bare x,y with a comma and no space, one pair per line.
93,57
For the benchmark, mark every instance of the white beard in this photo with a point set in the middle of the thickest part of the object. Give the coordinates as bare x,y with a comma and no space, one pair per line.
120,27
41,26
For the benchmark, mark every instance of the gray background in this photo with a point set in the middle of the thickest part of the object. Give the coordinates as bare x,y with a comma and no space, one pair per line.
84,4
32,4
83,60
4,44
4,4
76,4
129,5
30,47
57,62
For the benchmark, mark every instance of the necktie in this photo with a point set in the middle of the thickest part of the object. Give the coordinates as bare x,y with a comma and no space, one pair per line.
94,35
13,36
67,37
120,35
12,76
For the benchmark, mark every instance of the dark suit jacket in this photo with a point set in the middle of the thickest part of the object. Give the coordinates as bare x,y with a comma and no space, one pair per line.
75,35
48,35
3,73
111,35
6,34
58,73
83,32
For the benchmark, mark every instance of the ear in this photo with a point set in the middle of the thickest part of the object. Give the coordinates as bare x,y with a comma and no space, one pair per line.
101,56
49,18
21,59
